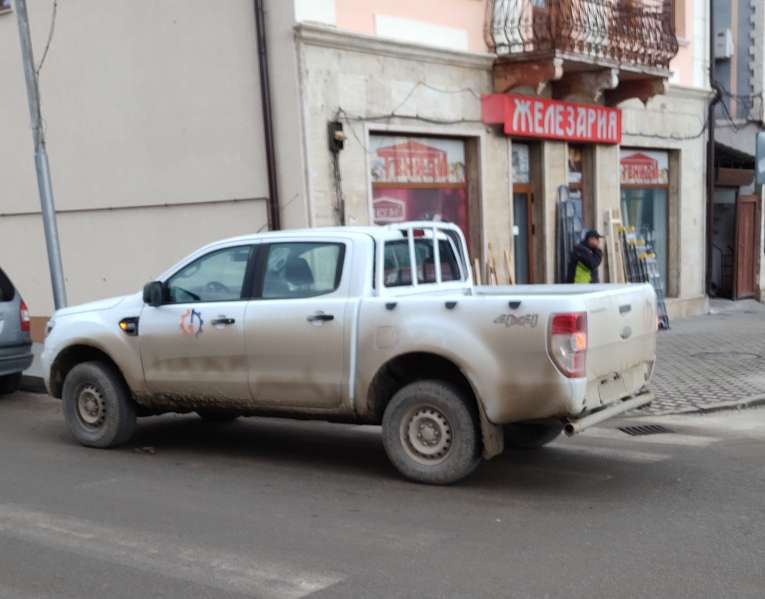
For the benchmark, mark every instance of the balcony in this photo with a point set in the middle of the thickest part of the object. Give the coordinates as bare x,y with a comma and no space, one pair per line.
615,49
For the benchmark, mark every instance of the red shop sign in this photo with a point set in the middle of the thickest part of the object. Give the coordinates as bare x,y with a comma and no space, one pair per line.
525,116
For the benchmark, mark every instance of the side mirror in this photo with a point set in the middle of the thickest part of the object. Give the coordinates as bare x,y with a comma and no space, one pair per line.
152,293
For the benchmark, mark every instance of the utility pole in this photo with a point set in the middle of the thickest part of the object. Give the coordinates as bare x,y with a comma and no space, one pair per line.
41,160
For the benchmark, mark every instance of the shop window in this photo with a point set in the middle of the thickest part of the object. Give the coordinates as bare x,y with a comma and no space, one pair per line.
644,191
576,178
5,6
418,178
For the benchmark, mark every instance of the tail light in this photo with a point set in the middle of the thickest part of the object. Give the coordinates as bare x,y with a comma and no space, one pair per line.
567,343
24,315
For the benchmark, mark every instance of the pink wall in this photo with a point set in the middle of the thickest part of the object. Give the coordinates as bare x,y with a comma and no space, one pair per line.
358,15
683,62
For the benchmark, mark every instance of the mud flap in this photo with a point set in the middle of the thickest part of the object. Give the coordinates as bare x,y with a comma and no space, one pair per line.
493,435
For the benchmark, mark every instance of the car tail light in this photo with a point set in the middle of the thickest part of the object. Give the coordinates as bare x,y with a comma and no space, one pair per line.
568,343
24,315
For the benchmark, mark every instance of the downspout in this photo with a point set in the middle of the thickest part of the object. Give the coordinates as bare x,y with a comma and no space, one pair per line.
274,220
711,146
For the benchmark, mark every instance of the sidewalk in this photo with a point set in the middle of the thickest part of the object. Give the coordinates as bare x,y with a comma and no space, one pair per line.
705,360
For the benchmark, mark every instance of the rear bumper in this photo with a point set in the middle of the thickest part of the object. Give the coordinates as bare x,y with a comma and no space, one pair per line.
15,359
580,424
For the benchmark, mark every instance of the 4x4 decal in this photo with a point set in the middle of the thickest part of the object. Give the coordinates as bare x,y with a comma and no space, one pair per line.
511,320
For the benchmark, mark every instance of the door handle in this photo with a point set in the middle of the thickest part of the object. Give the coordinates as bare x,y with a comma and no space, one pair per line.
223,321
321,317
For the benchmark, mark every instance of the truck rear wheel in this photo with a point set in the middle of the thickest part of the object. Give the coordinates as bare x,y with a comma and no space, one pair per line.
431,433
98,407
530,436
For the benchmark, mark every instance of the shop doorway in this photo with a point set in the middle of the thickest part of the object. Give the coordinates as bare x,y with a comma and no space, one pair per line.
522,233
734,244
523,227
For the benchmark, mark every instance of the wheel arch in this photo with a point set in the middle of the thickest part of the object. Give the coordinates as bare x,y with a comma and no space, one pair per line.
410,367
70,357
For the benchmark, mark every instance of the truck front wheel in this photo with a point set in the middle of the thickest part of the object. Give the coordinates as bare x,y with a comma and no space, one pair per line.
431,433
530,436
98,407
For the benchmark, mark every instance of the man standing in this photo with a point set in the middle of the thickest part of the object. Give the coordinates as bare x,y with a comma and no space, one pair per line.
585,259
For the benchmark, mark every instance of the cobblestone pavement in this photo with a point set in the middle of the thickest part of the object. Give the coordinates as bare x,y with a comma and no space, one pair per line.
710,359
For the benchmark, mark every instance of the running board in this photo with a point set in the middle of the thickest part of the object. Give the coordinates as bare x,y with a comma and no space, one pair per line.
577,426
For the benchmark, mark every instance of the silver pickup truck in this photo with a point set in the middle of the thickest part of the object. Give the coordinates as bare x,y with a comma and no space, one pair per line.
377,325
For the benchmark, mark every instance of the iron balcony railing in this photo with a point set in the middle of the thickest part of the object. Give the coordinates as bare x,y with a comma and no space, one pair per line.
638,32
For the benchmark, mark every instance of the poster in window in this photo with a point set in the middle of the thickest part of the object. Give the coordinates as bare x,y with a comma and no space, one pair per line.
417,160
574,165
415,178
396,205
520,163
644,167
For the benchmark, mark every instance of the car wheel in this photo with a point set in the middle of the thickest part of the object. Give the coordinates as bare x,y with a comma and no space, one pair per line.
530,436
10,383
431,433
217,417
98,407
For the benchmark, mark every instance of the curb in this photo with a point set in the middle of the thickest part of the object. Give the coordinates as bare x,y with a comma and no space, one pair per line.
741,404
33,384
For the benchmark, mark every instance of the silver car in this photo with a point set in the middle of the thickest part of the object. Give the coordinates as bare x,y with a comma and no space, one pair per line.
15,337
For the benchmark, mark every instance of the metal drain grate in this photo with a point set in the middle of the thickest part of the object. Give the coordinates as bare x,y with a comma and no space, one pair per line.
648,429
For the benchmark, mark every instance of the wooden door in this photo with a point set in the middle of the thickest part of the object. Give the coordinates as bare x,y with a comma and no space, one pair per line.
747,233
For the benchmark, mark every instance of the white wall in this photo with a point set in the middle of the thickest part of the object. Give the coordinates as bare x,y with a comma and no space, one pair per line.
146,104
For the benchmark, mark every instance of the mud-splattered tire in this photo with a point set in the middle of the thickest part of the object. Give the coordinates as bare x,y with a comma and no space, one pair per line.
10,383
431,433
217,417
97,405
530,436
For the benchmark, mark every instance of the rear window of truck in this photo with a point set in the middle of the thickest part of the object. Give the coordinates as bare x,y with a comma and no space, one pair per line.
398,271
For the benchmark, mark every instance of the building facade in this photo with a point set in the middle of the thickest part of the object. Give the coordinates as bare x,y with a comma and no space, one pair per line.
156,136
737,237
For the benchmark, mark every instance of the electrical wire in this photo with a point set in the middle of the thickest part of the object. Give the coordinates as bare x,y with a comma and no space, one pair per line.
50,37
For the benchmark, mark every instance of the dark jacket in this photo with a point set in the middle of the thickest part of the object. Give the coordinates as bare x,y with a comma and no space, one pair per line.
589,257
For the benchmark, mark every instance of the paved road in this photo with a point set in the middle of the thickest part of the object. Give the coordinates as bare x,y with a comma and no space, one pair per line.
281,510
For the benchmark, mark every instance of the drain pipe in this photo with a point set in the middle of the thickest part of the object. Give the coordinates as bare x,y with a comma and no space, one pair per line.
274,221
711,147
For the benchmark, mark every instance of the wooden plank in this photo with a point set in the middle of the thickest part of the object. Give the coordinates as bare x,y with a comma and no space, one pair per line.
509,270
493,280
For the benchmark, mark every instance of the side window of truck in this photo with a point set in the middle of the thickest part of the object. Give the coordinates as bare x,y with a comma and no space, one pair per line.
215,277
295,270
397,264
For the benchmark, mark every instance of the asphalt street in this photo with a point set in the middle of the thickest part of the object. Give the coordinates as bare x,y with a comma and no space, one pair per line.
280,510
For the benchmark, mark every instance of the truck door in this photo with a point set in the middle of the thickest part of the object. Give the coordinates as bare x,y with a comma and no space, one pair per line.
295,327
193,344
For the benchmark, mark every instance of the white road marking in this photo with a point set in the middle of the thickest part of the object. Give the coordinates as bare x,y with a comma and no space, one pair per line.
617,454
162,554
660,439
